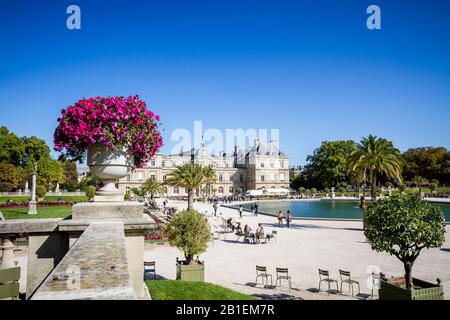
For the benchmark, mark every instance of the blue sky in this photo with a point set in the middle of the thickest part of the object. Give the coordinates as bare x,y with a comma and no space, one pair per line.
310,68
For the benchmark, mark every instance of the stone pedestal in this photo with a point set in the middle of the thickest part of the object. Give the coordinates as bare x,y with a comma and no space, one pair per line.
32,207
107,210
8,254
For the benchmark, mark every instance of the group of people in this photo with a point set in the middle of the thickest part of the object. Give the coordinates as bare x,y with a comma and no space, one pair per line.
257,236
287,217
226,200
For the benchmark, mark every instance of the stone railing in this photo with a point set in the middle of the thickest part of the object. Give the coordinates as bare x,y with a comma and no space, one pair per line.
104,241
101,249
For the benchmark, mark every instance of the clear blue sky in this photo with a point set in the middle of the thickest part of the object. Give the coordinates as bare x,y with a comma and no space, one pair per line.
310,68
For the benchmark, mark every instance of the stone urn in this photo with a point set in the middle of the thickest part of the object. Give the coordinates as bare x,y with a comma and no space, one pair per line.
109,165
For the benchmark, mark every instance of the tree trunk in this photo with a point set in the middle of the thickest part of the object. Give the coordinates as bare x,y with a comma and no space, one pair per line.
189,259
373,186
408,274
190,199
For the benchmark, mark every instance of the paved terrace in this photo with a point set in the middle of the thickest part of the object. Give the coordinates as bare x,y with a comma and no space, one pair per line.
304,248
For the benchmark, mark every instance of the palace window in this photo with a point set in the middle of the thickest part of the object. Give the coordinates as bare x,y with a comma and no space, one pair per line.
220,177
140,176
164,177
176,190
272,165
220,189
281,164
153,163
241,178
230,190
153,176
262,177
262,164
281,176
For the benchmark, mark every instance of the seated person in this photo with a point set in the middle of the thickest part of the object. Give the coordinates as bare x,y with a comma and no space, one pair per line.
259,233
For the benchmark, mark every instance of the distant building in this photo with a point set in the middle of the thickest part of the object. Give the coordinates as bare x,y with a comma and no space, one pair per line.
82,172
263,166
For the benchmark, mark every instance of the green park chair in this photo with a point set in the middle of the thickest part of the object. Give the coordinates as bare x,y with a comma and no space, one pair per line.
347,278
261,272
324,276
283,274
9,283
150,268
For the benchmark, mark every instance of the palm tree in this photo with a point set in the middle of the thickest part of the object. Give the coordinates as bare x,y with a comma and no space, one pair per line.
191,176
374,157
151,186
419,182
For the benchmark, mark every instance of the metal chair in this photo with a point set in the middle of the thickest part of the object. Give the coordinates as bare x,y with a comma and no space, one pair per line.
9,283
376,279
261,272
347,278
283,274
150,267
324,276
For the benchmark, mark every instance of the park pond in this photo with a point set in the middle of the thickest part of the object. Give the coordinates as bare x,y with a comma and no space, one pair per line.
321,209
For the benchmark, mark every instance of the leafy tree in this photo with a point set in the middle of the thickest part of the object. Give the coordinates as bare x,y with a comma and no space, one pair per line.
190,176
313,190
301,190
152,187
11,147
49,172
428,162
90,192
419,182
374,157
189,231
34,149
403,226
10,173
239,190
327,166
70,175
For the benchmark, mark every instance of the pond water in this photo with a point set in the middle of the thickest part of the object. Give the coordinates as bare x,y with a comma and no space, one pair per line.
324,209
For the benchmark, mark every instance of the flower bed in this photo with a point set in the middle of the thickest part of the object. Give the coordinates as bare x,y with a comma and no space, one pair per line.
13,204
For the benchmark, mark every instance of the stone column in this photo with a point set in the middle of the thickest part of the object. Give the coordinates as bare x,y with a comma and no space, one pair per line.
32,204
8,254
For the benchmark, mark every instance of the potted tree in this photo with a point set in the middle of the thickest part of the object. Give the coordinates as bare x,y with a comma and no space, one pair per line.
116,133
189,231
403,226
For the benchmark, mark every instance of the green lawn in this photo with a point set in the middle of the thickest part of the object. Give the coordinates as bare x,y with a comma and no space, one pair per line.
181,290
43,212
49,198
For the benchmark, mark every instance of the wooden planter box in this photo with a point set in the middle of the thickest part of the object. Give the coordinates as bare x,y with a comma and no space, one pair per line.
192,273
391,290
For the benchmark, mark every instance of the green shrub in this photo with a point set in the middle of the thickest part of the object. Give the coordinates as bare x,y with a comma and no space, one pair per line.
189,231
127,196
6,187
402,187
433,187
90,192
41,191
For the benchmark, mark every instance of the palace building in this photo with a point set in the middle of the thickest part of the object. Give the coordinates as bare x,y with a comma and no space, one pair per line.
263,166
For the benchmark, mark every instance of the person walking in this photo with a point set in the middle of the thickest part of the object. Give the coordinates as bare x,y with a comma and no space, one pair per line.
280,219
288,219
240,212
256,209
215,207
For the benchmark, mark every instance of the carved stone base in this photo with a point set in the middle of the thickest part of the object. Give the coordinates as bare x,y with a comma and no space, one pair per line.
32,207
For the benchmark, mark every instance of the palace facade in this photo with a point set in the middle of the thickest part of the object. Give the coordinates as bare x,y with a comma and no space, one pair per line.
263,166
